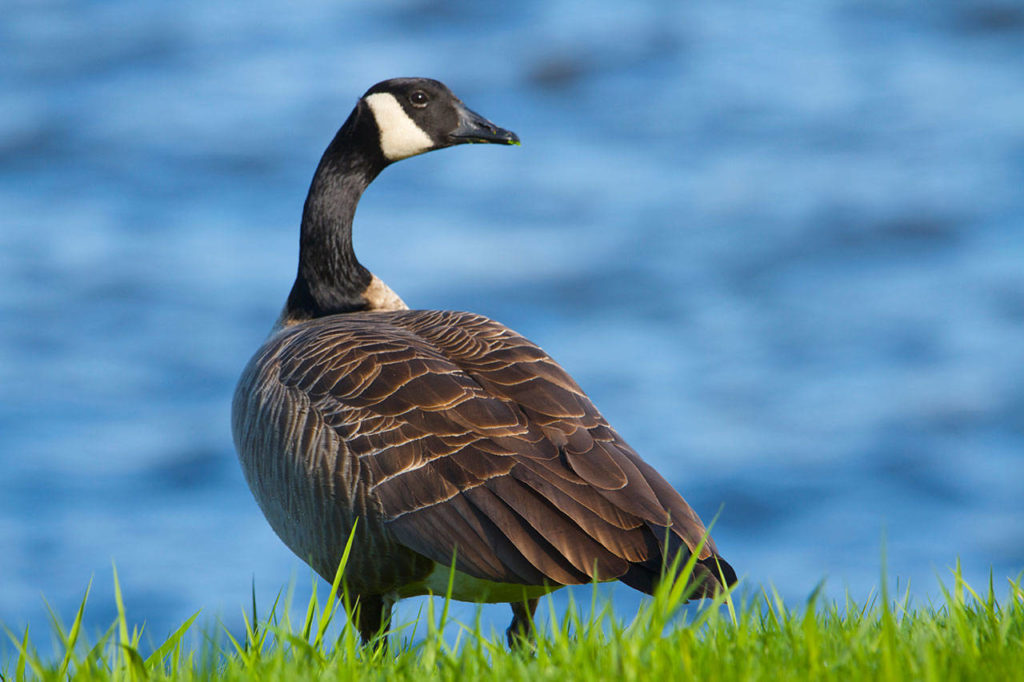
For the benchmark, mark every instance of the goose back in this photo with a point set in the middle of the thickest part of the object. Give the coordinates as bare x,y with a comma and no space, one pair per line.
447,434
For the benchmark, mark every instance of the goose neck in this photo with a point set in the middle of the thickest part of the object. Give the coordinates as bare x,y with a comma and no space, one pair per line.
330,278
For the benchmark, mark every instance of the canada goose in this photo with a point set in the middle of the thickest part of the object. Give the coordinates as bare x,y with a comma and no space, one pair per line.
444,433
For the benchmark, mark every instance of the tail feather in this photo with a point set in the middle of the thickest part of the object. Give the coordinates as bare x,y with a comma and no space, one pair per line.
709,576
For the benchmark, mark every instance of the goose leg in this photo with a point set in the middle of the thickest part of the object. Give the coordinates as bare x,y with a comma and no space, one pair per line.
520,632
373,617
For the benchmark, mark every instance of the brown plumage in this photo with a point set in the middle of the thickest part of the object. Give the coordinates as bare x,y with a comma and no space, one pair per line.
445,434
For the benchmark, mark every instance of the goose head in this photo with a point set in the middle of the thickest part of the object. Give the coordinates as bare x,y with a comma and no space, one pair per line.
417,115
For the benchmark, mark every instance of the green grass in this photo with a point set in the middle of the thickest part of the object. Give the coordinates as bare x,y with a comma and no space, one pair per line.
967,636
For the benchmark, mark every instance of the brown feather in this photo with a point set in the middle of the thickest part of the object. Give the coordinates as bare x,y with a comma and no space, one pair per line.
537,476
527,541
472,542
455,434
566,535
626,543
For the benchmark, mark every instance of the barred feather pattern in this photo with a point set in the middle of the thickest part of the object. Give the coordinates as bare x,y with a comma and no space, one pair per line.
446,433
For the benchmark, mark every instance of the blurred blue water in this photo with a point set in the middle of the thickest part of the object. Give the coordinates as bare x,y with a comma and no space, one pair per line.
781,247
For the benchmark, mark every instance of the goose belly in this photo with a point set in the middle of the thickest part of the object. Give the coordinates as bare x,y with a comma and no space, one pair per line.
468,588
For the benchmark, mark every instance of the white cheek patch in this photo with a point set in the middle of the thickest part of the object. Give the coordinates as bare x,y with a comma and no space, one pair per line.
400,137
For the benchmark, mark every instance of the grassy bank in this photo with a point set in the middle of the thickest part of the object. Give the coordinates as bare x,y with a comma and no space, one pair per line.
970,635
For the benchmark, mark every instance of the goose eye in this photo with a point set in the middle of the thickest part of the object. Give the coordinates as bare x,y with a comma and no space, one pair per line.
419,99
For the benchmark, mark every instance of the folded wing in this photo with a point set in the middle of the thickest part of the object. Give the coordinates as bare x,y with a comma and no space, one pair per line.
473,441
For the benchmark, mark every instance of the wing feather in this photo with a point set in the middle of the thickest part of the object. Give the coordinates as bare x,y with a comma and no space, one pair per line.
527,540
565,534
473,441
